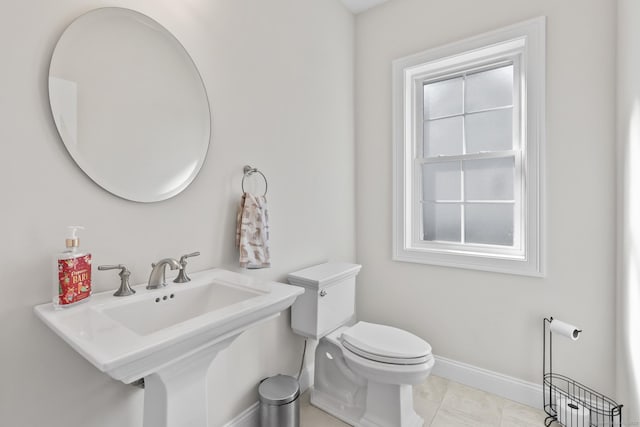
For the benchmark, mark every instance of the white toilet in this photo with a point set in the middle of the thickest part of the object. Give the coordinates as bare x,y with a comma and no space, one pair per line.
363,373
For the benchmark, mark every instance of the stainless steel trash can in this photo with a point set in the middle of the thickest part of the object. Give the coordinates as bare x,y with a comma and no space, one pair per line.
279,403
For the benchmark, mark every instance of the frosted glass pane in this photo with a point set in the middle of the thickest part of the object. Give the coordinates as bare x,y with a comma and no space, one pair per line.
489,131
489,179
490,224
489,89
441,181
441,222
443,136
443,98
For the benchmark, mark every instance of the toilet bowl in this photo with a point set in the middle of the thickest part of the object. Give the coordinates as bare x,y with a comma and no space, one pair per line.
363,373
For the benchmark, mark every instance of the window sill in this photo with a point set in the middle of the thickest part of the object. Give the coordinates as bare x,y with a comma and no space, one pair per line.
507,264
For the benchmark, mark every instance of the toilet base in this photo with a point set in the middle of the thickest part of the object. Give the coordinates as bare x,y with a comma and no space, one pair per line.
387,405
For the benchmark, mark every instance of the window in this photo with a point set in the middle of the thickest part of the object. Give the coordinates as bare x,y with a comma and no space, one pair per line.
468,141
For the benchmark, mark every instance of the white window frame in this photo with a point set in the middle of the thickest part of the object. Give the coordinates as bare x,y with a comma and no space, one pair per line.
523,45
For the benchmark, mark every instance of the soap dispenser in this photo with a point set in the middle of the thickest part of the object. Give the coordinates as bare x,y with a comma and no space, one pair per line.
72,282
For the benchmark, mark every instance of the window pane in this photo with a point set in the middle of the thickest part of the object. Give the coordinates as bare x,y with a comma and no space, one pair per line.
443,137
489,131
441,222
441,181
489,179
443,98
490,224
489,89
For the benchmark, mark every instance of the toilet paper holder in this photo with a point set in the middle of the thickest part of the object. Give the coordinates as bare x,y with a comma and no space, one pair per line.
567,401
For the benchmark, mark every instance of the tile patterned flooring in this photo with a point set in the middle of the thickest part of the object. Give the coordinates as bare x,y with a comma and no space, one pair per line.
444,403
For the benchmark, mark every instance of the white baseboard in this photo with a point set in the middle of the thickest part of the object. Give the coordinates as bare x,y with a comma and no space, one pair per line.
250,417
501,385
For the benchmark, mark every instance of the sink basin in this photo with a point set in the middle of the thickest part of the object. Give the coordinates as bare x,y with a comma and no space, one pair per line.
146,315
169,336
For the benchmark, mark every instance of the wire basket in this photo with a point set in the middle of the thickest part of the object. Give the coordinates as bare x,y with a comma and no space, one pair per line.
575,405
570,403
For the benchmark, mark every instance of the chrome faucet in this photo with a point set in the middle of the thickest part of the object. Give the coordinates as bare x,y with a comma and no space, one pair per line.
157,278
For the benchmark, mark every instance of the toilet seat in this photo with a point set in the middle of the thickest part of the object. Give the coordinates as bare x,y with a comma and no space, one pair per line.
385,344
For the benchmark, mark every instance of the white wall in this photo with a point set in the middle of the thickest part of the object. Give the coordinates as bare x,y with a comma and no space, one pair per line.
494,321
280,80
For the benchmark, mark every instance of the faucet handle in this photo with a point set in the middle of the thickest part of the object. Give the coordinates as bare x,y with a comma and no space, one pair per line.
182,274
125,289
183,258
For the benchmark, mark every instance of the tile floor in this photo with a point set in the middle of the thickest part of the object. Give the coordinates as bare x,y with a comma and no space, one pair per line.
444,403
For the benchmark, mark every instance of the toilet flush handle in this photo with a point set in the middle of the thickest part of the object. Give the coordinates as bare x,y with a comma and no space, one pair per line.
323,293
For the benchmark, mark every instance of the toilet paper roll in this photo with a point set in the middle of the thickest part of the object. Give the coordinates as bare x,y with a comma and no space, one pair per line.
565,329
572,413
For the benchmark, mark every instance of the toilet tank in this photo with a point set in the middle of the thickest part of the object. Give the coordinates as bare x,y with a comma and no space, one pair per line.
328,301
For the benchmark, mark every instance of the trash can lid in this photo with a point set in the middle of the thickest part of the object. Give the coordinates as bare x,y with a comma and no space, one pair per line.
279,390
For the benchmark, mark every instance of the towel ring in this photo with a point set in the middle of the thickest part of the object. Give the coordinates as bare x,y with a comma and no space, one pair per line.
248,171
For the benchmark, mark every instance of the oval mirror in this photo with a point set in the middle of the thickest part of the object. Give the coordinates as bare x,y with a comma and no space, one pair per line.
129,104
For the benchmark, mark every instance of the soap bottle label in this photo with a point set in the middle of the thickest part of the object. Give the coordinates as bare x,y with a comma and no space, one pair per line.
74,279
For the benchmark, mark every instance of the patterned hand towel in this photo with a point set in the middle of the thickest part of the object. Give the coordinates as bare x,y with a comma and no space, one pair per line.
252,232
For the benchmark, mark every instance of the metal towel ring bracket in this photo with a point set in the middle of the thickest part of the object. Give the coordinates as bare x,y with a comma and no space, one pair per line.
248,171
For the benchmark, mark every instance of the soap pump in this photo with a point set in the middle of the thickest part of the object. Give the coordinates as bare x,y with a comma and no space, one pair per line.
72,282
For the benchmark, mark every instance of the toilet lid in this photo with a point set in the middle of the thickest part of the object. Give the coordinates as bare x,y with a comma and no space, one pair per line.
386,344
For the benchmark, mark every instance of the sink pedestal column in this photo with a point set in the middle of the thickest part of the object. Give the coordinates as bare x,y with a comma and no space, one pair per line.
176,395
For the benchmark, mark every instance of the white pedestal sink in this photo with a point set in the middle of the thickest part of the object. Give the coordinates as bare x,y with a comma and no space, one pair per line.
169,336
